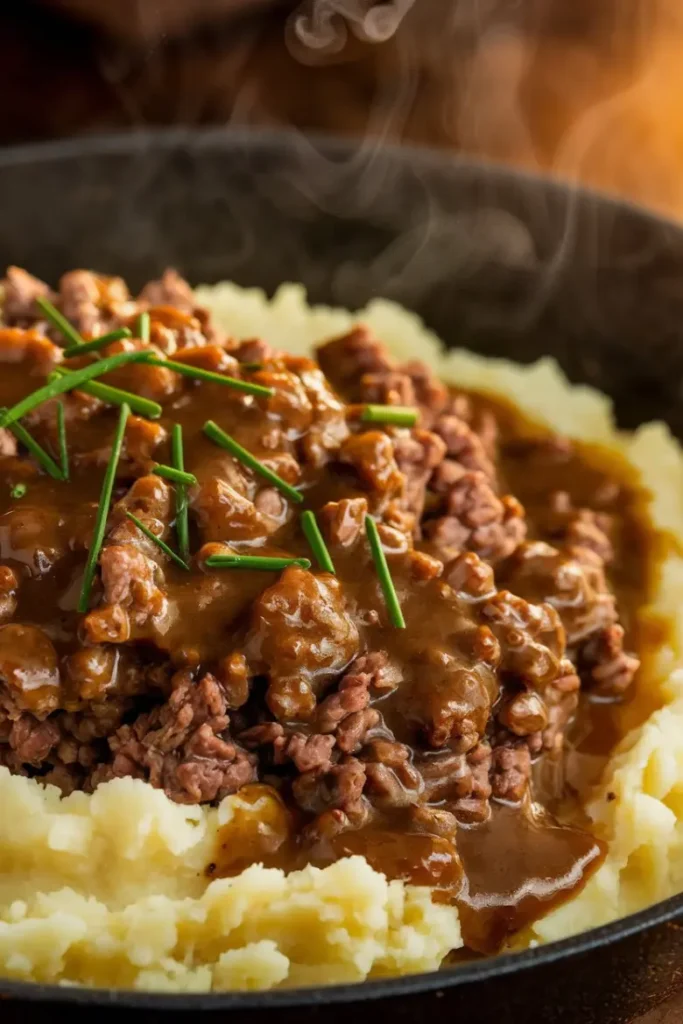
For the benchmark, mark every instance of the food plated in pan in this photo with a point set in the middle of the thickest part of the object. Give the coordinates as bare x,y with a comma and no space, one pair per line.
324,655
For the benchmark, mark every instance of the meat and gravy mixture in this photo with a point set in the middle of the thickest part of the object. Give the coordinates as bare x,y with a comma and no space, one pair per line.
518,561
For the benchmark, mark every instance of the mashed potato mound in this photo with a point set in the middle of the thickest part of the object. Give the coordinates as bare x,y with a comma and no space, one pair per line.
111,890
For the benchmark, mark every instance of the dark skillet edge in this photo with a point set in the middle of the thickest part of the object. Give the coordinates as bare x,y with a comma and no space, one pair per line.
668,912
561,953
138,142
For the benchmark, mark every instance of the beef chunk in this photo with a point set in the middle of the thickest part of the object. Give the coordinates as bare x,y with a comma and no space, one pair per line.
417,454
463,445
344,360
38,354
9,585
92,303
20,291
339,788
511,771
577,590
183,746
605,667
29,669
392,387
32,741
302,635
578,527
371,454
477,520
344,520
170,290
391,779
461,780
224,514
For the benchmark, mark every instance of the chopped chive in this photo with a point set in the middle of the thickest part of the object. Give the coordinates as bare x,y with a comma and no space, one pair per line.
261,562
385,580
142,327
61,440
398,415
18,491
198,373
219,437
162,545
115,396
309,525
68,382
182,524
251,366
97,343
38,453
59,321
103,510
177,476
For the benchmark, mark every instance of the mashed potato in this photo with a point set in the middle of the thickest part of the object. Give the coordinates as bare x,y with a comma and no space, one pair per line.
110,889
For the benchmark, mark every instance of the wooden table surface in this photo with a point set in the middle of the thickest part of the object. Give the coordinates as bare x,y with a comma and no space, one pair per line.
590,90
670,1013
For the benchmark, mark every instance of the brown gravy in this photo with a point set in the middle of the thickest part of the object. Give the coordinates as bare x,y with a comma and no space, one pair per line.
521,863
504,871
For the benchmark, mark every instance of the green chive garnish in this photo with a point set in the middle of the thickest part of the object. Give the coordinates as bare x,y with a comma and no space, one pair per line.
97,343
182,524
162,545
142,327
38,453
68,382
59,321
103,510
198,373
219,437
176,476
115,396
61,440
18,491
309,525
385,580
398,415
263,563
251,366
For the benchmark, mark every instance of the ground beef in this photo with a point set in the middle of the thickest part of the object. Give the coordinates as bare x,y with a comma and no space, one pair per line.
201,680
464,447
477,520
604,666
94,304
21,290
578,528
344,360
371,454
183,746
169,290
344,520
417,454
300,660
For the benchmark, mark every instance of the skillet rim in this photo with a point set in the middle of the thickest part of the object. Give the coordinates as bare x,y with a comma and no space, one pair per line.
669,911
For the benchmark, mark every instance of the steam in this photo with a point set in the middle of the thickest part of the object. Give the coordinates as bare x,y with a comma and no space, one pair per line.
321,27
477,76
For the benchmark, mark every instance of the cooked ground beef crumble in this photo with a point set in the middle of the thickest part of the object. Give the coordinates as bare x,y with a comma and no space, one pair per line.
402,744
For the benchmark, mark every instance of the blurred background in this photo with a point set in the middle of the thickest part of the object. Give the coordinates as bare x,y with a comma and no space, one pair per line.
591,90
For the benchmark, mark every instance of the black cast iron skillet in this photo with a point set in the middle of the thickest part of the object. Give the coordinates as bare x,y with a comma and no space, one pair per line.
506,264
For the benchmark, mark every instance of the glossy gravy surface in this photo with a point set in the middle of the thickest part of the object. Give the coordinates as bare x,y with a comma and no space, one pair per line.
508,871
